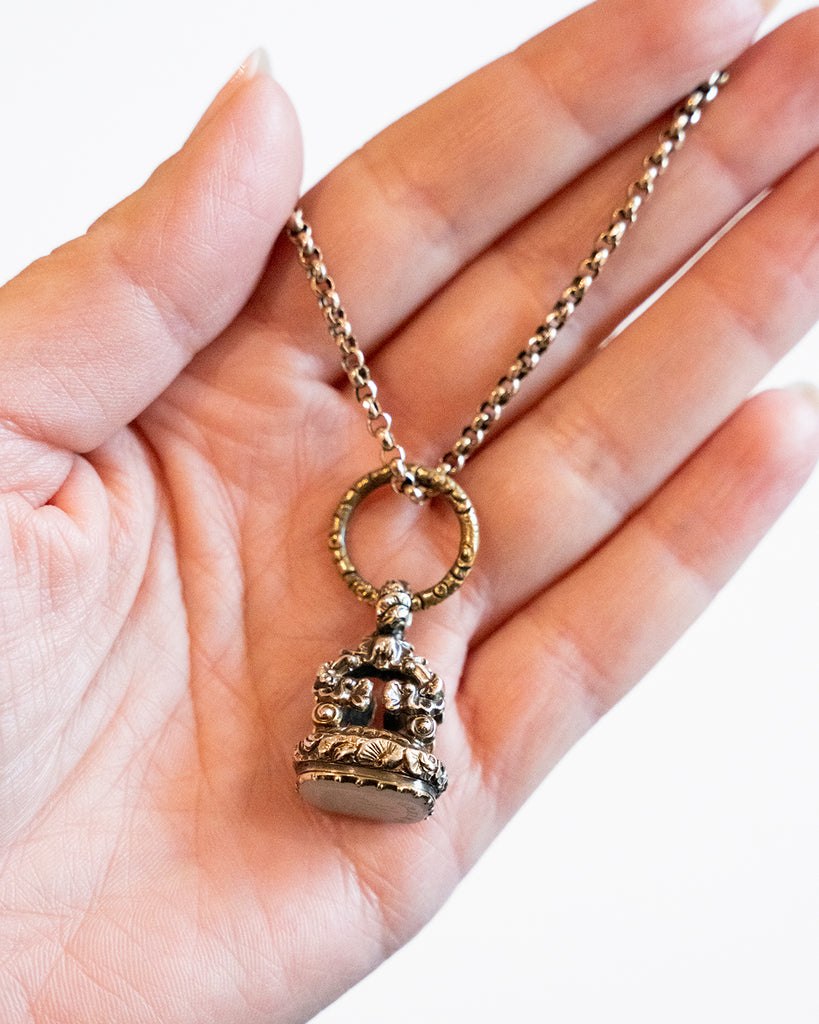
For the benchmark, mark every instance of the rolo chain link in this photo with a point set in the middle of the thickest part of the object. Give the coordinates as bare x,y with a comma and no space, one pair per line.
379,422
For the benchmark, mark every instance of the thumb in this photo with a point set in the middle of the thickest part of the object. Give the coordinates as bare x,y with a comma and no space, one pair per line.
95,331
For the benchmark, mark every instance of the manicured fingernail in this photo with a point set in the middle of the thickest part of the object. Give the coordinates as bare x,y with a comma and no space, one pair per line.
808,390
257,63
768,5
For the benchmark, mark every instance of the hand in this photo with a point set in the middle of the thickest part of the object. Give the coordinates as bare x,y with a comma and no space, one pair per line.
168,593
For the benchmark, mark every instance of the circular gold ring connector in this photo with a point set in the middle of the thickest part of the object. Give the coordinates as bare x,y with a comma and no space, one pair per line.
436,484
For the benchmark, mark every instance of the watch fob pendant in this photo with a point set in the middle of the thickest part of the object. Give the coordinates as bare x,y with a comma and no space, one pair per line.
347,765
370,754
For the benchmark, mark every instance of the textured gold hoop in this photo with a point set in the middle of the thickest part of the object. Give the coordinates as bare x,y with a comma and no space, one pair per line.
435,483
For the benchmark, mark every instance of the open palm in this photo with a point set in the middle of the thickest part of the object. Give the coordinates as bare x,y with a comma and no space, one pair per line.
168,596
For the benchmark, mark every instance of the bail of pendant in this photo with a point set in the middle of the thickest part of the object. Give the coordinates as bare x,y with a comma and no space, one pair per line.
436,484
348,766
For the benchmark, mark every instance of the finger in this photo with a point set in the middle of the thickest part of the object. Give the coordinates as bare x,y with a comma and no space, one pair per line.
95,331
494,305
401,216
596,448
541,681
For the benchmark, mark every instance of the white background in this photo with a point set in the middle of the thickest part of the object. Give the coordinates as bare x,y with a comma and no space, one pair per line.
667,870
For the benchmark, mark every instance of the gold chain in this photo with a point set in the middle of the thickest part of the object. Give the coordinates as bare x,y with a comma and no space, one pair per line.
472,436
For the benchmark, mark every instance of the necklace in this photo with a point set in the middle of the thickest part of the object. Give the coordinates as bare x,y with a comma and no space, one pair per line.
390,772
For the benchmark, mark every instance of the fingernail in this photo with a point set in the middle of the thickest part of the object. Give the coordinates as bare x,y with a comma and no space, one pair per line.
768,5
257,63
806,389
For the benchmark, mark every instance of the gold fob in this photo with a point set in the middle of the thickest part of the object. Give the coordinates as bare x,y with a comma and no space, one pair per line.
377,708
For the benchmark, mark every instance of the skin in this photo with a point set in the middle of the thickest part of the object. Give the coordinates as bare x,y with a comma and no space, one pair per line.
175,434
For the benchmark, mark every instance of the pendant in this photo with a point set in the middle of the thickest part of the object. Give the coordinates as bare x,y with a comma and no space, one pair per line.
347,765
370,754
